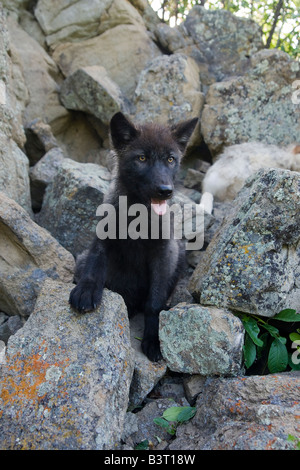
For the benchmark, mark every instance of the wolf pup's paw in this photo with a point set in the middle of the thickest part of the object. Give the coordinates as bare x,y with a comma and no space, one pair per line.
85,296
151,348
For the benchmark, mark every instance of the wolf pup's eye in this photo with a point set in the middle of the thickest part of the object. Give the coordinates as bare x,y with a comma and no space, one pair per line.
142,158
171,159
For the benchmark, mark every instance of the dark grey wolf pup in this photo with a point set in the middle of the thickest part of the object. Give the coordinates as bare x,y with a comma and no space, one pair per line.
143,271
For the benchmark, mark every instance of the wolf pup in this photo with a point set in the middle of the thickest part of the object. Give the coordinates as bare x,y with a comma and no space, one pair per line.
143,271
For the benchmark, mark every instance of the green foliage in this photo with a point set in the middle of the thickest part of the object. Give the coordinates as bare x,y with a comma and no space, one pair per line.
279,19
173,416
266,343
295,440
144,445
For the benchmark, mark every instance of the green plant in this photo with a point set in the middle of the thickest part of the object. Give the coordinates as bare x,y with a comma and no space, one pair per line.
173,416
144,445
295,440
267,343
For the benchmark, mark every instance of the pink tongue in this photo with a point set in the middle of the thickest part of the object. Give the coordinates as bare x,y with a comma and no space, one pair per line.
159,207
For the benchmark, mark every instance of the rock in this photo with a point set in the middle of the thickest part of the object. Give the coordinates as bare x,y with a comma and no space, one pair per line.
254,107
80,140
10,326
66,379
29,255
252,263
193,179
41,77
14,179
39,140
200,340
224,41
169,90
70,203
42,174
120,12
146,373
146,428
2,352
90,90
244,413
220,42
193,386
123,51
69,21
13,94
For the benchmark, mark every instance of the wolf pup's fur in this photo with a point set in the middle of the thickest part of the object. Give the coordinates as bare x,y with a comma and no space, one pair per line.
143,271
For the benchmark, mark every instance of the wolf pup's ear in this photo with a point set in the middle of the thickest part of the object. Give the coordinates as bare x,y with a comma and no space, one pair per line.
183,131
122,131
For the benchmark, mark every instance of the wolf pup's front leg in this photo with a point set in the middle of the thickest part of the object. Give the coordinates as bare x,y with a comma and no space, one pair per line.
88,292
162,281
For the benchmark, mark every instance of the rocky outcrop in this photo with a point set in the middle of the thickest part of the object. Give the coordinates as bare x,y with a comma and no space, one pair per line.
252,264
226,419
70,203
29,255
66,377
218,41
254,107
169,90
91,90
123,51
41,76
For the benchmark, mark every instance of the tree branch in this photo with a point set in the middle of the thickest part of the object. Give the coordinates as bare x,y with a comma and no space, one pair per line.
276,17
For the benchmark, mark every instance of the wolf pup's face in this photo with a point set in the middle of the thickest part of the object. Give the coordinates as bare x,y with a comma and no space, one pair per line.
149,158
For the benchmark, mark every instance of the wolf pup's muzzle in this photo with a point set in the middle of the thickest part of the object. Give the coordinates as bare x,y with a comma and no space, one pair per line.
159,203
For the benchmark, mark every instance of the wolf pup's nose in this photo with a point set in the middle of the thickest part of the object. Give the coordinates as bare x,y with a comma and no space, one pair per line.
164,191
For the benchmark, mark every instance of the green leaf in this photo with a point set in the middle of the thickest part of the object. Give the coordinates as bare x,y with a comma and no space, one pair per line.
278,357
274,332
294,337
142,445
252,329
249,349
288,315
187,412
179,413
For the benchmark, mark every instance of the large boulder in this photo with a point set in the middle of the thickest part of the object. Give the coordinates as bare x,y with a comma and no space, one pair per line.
244,413
201,340
42,174
252,263
29,255
123,51
70,203
220,42
169,90
255,107
14,165
66,376
70,20
14,173
41,77
91,90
